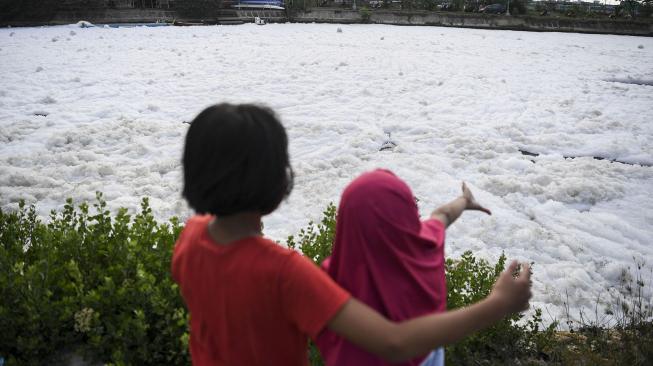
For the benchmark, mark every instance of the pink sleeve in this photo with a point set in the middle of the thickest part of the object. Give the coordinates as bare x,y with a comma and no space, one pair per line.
325,264
433,229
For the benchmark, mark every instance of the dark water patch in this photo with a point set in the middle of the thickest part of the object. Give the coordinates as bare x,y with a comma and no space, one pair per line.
529,153
633,81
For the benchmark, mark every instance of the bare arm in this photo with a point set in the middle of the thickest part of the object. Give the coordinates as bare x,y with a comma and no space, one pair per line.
451,211
396,342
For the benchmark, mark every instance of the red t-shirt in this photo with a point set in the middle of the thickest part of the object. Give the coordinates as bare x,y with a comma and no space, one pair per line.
252,302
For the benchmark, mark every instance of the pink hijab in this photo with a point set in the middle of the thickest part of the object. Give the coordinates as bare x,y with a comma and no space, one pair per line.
385,257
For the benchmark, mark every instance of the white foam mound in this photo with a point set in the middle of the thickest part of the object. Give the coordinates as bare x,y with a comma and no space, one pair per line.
84,24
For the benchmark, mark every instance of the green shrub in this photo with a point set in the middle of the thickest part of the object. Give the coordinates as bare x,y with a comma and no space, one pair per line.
100,284
92,282
469,280
517,7
316,240
28,10
365,14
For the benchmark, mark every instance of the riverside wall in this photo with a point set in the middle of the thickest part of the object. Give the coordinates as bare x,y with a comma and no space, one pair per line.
475,20
103,16
114,16
346,16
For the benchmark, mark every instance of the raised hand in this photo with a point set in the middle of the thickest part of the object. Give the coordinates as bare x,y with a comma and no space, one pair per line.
513,292
471,201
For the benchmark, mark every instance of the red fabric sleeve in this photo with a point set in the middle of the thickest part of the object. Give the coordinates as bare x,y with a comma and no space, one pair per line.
433,228
310,298
180,245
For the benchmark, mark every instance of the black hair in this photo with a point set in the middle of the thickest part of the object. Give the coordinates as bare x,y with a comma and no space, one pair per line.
236,160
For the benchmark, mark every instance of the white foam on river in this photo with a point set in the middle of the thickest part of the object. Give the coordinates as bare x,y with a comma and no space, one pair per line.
83,110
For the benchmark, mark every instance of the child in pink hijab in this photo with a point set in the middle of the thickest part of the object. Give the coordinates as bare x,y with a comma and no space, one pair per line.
388,259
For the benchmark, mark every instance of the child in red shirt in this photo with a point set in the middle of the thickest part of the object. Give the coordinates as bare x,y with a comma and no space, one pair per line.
253,302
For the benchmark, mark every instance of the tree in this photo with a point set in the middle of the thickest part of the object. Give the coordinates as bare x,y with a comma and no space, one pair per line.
199,8
517,7
637,8
646,8
28,10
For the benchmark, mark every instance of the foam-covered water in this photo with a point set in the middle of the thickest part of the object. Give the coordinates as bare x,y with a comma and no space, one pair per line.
83,110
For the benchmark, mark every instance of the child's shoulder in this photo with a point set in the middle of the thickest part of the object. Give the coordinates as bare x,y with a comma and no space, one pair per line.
198,220
194,227
273,248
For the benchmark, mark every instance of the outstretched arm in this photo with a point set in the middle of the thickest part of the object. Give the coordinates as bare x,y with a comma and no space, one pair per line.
396,342
451,211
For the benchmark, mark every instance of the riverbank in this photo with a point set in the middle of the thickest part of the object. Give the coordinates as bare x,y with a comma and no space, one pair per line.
477,20
101,16
347,16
